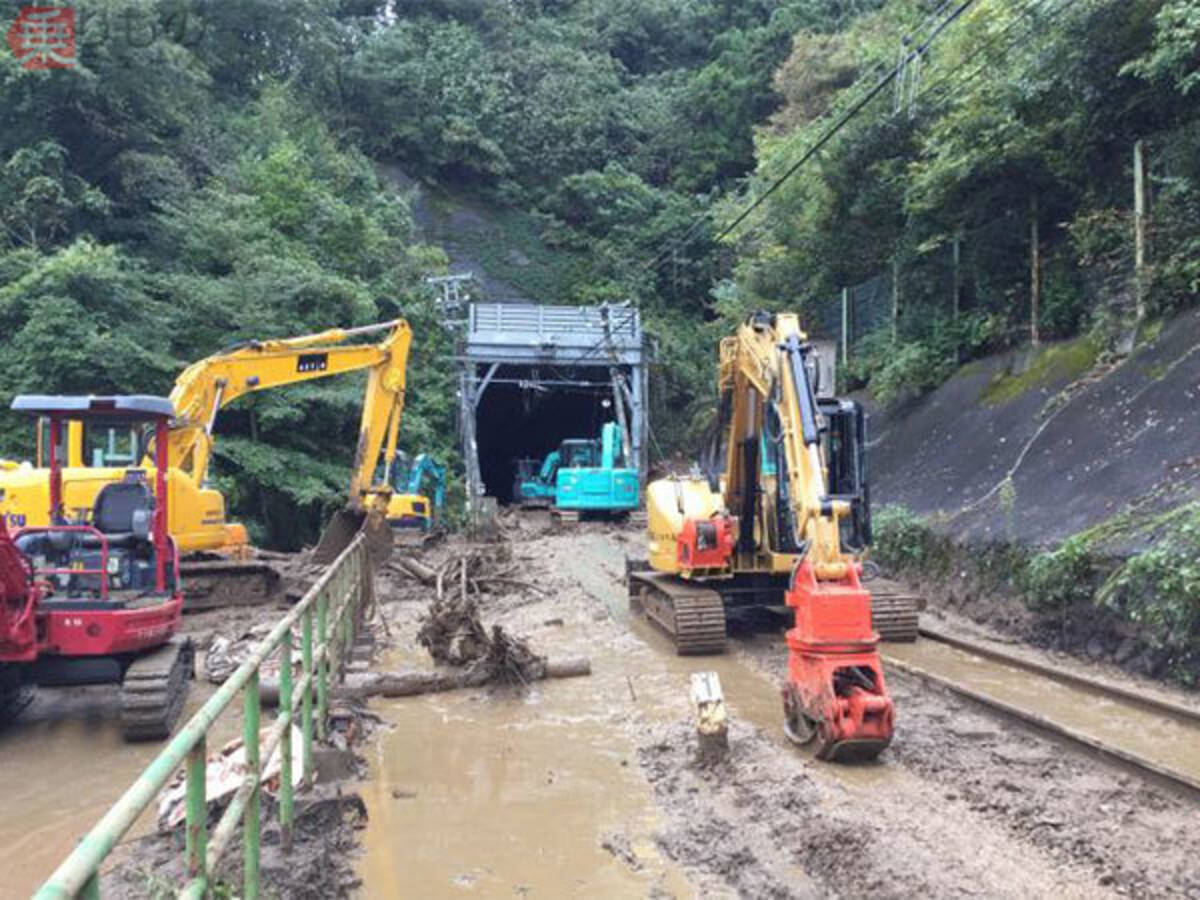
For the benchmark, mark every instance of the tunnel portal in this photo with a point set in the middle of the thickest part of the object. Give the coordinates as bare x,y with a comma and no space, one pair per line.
533,376
520,416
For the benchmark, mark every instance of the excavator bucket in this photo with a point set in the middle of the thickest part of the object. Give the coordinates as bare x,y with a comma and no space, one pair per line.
345,526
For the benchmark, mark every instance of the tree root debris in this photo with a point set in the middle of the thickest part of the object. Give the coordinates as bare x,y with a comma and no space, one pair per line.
454,634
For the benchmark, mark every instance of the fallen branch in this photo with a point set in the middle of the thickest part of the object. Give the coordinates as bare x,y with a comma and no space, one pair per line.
521,584
409,684
417,570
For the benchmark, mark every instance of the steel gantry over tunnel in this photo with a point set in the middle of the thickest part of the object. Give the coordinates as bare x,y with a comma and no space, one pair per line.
533,376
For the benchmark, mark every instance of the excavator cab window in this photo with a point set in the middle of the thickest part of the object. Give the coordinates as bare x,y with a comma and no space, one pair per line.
844,446
579,454
111,446
91,444
42,444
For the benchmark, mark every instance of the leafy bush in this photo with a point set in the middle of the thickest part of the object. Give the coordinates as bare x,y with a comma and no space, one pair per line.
904,543
1060,578
896,372
1159,589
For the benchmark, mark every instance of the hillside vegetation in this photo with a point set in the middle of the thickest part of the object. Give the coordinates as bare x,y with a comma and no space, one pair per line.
208,173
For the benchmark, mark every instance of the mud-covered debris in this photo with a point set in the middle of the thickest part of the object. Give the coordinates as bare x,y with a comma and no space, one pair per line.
453,633
223,776
225,653
618,844
510,659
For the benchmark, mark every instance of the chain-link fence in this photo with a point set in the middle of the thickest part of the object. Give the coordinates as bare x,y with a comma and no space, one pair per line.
966,292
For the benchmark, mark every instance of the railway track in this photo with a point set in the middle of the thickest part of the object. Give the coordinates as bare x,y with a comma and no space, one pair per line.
1146,733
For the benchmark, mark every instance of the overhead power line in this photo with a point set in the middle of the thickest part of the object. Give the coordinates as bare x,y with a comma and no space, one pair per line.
824,139
842,120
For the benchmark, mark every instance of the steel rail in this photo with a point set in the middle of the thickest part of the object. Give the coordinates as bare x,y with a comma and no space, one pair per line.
1165,775
1146,701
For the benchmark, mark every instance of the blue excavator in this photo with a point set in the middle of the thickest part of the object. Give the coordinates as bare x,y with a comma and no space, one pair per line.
582,475
536,487
411,505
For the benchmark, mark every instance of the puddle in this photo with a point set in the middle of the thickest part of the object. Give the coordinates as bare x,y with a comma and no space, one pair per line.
501,794
1171,742
64,764
497,794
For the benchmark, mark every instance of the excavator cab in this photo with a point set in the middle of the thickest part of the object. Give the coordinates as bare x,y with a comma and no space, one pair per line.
118,550
844,447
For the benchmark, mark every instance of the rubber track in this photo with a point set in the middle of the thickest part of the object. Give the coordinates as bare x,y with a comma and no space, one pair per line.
694,617
154,689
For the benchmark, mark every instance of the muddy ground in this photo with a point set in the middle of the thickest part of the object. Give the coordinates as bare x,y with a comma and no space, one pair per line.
962,804
591,786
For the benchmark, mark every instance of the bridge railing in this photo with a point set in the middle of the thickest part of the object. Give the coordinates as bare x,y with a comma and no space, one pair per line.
327,615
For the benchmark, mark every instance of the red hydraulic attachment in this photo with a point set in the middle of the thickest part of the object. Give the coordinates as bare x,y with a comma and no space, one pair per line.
705,543
19,595
835,691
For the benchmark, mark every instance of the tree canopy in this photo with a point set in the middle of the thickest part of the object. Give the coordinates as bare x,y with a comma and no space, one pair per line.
209,172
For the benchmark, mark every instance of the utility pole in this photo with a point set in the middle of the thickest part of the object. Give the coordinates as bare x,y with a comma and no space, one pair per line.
1035,272
1139,229
845,326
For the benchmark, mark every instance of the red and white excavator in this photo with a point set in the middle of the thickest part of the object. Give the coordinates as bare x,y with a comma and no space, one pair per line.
97,599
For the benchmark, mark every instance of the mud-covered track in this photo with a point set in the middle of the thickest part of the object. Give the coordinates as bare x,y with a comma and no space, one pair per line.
1146,733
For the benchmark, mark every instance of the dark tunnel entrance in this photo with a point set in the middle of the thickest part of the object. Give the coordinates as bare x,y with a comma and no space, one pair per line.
525,412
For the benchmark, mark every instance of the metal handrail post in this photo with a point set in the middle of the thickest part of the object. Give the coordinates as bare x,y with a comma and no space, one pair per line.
286,804
250,819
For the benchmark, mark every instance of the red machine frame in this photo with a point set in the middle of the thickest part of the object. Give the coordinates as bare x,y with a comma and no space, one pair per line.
34,625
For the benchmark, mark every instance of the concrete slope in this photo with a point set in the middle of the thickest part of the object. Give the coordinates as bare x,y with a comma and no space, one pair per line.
1080,449
502,248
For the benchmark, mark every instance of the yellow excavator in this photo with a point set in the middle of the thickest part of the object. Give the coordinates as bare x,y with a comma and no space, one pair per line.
783,522
198,520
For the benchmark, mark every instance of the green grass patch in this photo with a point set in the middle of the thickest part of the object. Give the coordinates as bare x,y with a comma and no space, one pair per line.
1155,591
1057,362
1150,331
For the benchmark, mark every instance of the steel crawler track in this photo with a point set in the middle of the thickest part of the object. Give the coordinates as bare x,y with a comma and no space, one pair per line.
692,615
894,611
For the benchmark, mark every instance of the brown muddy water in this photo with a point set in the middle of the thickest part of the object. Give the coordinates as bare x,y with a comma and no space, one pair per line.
1170,741
500,792
63,763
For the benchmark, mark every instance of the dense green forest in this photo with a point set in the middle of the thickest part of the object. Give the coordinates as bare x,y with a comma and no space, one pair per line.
206,173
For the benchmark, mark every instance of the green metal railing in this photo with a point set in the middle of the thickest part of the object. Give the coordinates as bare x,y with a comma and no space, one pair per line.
332,606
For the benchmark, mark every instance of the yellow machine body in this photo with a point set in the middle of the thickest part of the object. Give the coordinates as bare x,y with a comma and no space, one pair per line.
750,372
197,512
405,509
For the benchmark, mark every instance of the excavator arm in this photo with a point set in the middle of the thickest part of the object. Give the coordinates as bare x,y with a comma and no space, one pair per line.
206,387
774,524
766,383
382,408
